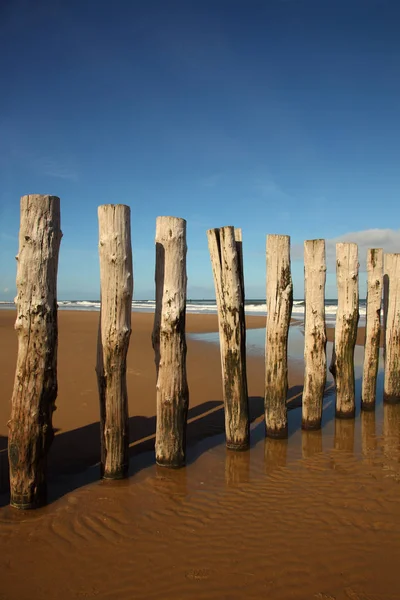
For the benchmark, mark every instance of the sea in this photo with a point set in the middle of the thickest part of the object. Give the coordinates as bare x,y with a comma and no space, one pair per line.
206,306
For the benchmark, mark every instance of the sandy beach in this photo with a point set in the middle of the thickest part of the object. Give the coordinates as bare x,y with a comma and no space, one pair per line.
316,516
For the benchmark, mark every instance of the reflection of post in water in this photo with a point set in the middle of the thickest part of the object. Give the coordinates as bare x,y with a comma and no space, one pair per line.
368,436
237,467
275,451
391,431
344,435
171,483
311,443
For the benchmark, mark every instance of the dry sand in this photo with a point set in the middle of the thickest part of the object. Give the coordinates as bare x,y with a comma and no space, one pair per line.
317,516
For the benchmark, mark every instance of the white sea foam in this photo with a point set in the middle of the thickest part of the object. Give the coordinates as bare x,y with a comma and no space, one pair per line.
202,307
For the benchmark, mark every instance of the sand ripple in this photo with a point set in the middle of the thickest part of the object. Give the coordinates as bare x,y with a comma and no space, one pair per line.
309,518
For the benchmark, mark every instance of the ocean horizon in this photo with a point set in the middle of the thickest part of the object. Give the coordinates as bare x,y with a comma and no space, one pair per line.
256,306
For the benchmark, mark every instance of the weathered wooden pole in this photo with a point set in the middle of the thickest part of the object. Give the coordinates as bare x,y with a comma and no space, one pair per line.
116,282
314,333
391,386
35,386
372,327
342,364
279,310
226,259
169,342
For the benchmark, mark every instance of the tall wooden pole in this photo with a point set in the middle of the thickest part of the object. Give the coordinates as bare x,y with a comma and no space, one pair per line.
116,281
342,364
314,333
391,387
372,327
226,259
279,310
169,342
35,386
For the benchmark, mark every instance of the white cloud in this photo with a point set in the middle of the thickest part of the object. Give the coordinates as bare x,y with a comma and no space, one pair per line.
388,239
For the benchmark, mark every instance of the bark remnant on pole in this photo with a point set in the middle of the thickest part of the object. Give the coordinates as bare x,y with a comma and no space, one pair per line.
116,282
35,385
391,386
342,363
169,342
279,310
372,327
225,246
314,333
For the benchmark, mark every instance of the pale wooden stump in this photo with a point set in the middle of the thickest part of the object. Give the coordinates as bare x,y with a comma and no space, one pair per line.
116,282
169,342
391,389
225,245
314,333
35,386
279,310
372,327
342,364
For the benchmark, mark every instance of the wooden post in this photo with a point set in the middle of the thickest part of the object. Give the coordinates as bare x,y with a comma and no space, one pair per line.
391,386
226,259
116,282
314,333
35,386
342,364
169,342
372,327
279,310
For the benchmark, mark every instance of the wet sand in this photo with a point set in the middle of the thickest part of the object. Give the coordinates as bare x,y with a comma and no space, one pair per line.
316,516
330,335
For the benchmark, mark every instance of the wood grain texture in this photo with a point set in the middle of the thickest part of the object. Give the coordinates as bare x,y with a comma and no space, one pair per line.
279,310
116,283
225,245
35,386
314,333
391,386
169,342
372,327
342,363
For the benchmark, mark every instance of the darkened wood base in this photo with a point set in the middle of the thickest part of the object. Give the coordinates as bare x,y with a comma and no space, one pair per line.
311,425
368,406
36,499
238,447
345,415
176,464
277,434
391,398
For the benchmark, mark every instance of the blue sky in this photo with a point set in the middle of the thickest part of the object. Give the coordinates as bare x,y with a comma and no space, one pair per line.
277,116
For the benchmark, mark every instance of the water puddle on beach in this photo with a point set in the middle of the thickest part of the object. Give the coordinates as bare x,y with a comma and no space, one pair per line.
314,516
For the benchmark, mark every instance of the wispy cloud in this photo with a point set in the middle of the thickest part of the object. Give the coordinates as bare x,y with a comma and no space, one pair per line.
388,239
269,188
61,169
211,180
7,237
